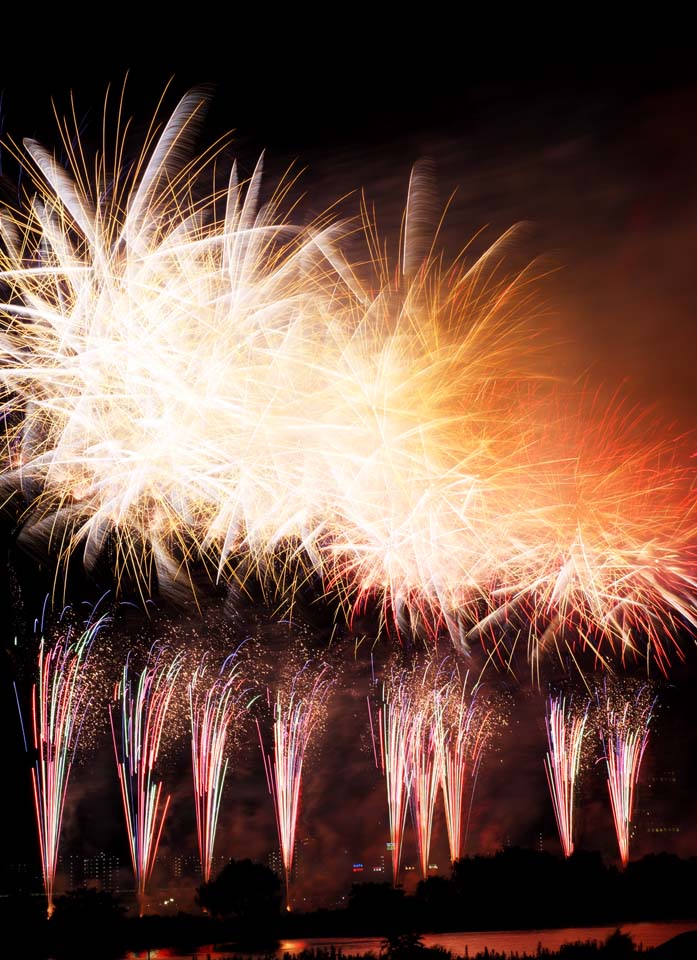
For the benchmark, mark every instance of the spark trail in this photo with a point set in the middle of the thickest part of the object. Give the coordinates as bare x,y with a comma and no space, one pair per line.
624,733
141,702
394,729
466,723
59,704
214,708
424,774
565,732
298,707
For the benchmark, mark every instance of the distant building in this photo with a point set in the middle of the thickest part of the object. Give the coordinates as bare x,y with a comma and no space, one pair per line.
99,872
274,861
656,818
186,866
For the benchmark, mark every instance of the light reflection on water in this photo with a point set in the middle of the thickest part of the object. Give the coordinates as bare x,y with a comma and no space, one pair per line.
503,941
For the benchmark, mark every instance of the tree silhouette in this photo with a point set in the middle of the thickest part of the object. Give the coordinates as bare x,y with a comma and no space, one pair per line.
246,892
85,917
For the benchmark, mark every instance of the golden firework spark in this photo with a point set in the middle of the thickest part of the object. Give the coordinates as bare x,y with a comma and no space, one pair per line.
194,375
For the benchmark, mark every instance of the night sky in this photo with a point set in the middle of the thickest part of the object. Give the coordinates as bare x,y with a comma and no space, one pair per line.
599,162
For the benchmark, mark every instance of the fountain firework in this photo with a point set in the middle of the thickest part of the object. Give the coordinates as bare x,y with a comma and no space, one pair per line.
424,773
141,702
394,729
431,733
214,707
298,707
624,733
565,731
59,704
464,731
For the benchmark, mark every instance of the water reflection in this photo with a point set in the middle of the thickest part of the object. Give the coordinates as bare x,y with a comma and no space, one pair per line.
502,941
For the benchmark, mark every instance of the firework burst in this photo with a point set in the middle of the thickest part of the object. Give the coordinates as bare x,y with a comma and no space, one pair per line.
605,561
172,342
191,376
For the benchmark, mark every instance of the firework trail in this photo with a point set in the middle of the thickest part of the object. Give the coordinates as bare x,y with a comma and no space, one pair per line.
59,704
214,707
393,733
465,725
298,707
624,733
424,774
565,731
141,702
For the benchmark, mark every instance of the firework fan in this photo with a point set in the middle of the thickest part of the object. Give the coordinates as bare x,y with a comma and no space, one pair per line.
565,731
298,707
141,702
392,732
59,704
216,708
624,732
424,763
466,722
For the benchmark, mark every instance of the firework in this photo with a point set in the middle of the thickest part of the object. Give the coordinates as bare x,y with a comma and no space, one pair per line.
206,380
214,707
624,733
428,387
194,377
464,730
393,734
141,702
431,732
59,703
298,707
424,775
606,521
565,731
173,343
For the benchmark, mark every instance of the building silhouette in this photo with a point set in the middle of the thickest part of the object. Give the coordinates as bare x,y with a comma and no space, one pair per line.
98,872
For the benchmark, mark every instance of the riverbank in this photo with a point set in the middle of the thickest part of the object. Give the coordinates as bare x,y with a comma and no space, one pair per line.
647,943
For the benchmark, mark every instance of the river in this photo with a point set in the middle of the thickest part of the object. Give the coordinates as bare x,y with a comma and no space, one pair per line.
502,941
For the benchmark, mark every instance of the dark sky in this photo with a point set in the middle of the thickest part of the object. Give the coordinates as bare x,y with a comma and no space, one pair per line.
597,154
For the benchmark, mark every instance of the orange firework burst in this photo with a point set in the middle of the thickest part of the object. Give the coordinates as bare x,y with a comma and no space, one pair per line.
429,420
607,533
